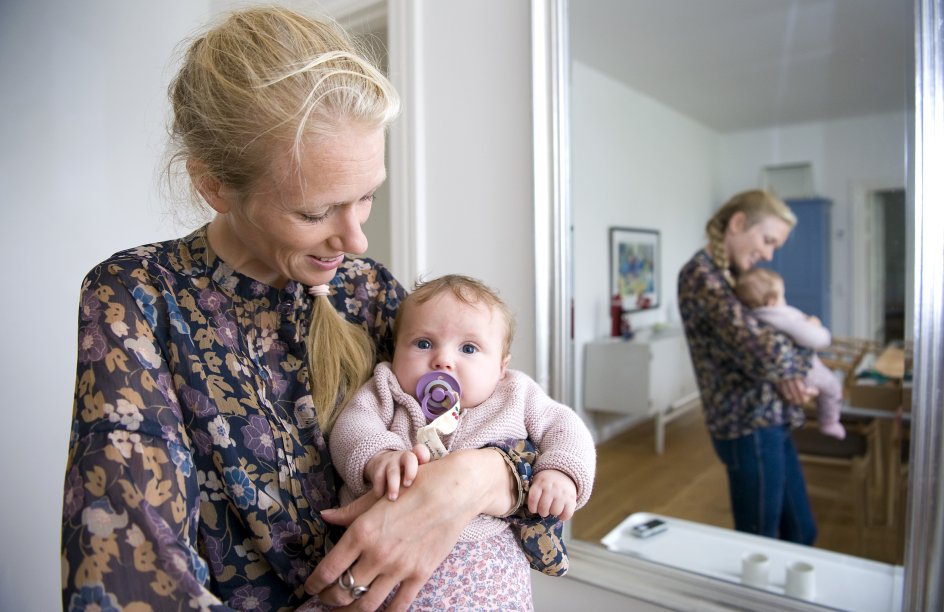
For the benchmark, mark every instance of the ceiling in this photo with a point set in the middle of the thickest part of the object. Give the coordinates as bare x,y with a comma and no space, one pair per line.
744,64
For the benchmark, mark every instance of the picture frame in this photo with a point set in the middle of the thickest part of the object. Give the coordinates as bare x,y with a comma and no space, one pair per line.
635,267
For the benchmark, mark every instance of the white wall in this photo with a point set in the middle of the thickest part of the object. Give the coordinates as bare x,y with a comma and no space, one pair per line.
478,185
635,163
82,131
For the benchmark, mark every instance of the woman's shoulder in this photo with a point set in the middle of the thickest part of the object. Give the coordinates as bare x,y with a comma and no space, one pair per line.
363,276
178,255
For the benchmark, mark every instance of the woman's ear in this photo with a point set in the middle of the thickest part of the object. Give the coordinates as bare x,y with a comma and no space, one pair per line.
738,222
208,185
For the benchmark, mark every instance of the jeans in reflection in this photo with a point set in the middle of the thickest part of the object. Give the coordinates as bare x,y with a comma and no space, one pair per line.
768,491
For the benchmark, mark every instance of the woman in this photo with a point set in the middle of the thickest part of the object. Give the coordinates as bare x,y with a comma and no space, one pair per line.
750,376
211,368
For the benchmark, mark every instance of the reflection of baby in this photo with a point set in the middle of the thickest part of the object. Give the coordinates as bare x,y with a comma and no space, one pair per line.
763,290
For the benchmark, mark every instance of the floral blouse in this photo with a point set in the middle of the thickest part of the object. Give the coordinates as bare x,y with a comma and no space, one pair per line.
197,470
737,358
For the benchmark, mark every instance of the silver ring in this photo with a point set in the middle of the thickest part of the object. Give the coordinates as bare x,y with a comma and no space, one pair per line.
346,580
359,591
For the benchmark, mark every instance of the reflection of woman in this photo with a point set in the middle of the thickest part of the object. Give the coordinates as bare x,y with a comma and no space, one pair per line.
211,367
750,376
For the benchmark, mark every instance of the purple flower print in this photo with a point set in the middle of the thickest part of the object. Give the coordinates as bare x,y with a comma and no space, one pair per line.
226,331
258,437
285,534
92,346
91,308
198,403
202,440
248,597
212,550
75,493
211,300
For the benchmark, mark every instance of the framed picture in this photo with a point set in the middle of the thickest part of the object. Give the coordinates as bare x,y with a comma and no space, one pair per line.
634,267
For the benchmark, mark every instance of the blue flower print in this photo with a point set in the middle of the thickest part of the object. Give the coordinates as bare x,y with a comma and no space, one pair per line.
146,302
239,487
180,457
91,598
176,318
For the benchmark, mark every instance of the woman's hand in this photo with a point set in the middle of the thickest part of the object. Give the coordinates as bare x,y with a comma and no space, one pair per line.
796,391
403,542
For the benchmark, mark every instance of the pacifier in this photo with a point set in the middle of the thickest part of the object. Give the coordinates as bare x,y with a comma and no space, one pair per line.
438,393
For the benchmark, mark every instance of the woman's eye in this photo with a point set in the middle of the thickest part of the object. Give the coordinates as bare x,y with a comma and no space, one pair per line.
314,218
424,344
469,349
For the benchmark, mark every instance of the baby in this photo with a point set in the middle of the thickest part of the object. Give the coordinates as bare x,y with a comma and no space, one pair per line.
762,290
449,388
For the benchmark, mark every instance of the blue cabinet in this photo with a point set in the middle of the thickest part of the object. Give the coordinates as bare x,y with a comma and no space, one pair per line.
804,259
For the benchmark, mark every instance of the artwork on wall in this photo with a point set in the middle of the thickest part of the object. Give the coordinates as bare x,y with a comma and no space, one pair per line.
634,267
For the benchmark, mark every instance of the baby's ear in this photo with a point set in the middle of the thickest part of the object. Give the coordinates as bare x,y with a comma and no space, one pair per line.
504,365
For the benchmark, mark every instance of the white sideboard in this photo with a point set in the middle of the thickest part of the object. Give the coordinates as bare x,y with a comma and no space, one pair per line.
843,582
650,375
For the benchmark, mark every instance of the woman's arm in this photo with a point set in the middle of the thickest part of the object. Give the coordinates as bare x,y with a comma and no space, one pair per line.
403,542
131,495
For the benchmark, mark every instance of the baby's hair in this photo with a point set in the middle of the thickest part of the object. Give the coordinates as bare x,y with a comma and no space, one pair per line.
756,206
757,287
465,289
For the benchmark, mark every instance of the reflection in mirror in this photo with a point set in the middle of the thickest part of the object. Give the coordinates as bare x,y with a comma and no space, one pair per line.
676,105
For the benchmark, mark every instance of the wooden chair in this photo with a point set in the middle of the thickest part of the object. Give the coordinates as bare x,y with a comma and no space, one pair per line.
854,454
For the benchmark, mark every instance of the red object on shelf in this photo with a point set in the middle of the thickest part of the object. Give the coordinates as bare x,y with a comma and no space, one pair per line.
616,316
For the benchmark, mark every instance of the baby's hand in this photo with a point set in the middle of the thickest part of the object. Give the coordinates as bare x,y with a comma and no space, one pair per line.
387,470
552,493
814,320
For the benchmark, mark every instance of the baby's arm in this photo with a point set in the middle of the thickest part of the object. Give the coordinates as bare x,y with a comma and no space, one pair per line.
795,324
552,493
388,470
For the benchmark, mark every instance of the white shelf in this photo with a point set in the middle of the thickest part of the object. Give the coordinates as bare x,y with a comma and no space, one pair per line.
842,581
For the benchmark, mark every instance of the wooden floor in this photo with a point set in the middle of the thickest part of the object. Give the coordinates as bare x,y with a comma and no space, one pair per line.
688,481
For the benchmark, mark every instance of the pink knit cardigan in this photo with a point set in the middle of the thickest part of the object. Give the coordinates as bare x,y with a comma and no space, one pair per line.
381,416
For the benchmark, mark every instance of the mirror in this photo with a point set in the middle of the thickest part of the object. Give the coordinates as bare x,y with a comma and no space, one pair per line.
665,108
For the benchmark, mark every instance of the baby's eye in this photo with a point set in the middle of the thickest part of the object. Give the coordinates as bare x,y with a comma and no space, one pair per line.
424,344
469,349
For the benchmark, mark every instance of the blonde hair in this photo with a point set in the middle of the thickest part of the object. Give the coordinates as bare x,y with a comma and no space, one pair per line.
756,205
757,287
264,81
465,289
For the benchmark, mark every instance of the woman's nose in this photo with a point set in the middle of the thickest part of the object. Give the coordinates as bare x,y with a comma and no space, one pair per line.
348,236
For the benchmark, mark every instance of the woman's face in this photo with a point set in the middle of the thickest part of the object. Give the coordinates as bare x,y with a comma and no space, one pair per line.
748,245
299,226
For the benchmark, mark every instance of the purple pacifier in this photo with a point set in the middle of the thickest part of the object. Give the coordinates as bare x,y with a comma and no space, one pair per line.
438,392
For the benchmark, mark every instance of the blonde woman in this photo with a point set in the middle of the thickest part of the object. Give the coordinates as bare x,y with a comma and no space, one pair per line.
750,376
212,367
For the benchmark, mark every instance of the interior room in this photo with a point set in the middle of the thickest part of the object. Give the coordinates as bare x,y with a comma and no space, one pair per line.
726,99
544,131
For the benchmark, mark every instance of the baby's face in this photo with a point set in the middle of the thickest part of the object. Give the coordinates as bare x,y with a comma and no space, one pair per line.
462,339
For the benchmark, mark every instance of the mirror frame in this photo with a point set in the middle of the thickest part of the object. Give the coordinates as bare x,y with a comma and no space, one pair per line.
923,586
